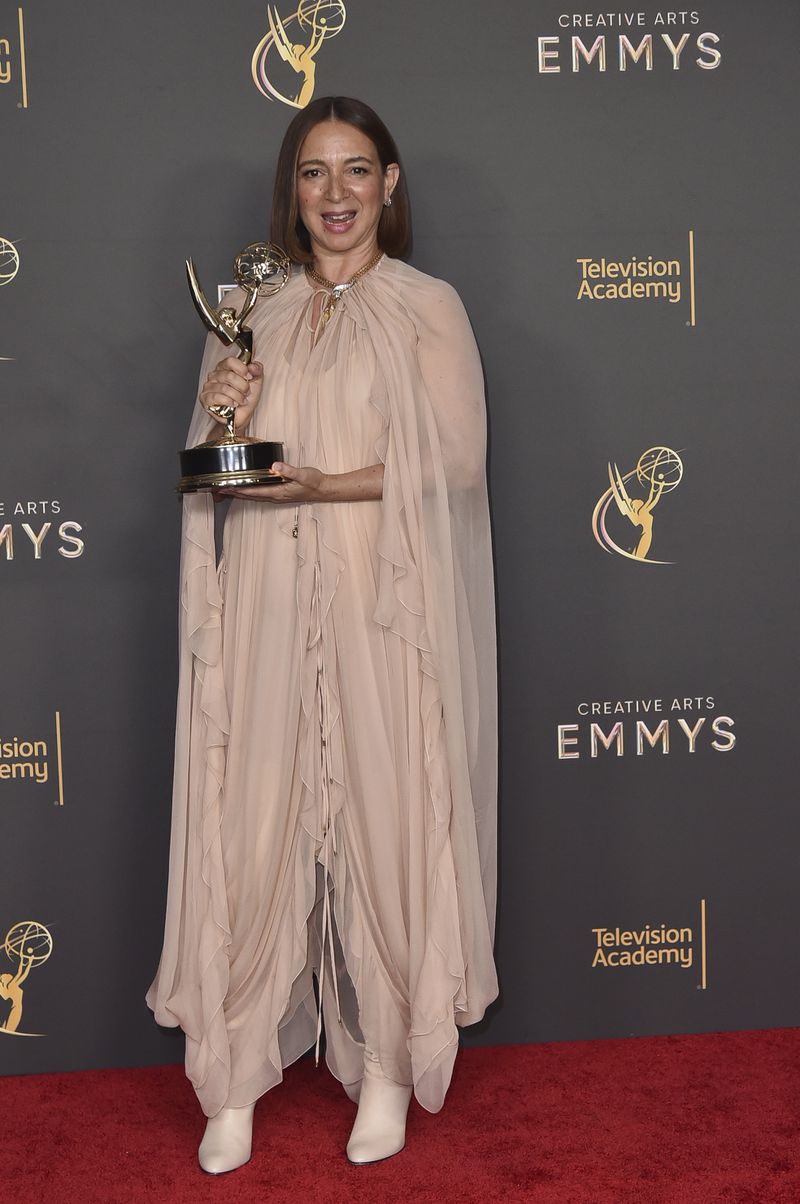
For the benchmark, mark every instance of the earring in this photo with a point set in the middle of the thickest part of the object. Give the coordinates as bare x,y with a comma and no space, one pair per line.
387,202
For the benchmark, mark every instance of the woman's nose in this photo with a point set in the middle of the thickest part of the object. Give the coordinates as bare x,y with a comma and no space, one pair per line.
337,187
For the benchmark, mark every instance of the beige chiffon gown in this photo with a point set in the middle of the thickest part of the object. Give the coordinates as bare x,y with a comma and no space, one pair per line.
335,768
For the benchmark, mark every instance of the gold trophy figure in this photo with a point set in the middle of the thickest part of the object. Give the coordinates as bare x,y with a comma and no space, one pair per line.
261,270
299,57
28,944
662,469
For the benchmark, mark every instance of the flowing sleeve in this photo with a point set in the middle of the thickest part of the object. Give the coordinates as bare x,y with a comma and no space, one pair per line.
451,368
436,577
463,570
197,930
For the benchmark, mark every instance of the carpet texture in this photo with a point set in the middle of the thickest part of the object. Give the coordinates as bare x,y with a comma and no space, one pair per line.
657,1120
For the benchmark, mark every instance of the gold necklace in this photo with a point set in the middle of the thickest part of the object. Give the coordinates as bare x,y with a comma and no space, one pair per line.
337,290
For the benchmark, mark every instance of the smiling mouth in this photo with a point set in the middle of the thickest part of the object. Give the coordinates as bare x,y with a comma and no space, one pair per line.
339,221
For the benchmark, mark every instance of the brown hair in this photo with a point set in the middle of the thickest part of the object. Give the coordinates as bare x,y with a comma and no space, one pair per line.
394,228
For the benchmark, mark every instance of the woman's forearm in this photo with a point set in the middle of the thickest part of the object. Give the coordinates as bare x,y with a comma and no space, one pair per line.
362,484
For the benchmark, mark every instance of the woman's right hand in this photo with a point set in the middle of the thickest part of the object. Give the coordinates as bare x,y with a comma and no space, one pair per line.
232,383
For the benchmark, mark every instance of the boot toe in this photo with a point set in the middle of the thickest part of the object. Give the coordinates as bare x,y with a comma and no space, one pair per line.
361,1150
218,1161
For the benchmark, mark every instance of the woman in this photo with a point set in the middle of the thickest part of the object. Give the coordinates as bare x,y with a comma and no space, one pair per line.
335,772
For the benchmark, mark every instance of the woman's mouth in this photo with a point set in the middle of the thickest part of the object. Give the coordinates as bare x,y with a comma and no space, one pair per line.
338,223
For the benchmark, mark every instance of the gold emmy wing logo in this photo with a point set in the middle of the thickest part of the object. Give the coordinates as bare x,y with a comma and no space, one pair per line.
9,261
659,470
27,944
297,39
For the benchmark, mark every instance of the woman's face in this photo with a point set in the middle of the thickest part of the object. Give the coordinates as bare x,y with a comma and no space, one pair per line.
341,188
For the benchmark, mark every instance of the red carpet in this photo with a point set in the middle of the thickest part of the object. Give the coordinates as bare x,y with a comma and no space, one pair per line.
660,1120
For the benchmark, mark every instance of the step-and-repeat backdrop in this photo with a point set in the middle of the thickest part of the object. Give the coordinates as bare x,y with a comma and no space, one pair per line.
613,193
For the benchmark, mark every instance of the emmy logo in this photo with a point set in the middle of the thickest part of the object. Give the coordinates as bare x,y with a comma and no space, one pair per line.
27,944
658,471
316,21
9,261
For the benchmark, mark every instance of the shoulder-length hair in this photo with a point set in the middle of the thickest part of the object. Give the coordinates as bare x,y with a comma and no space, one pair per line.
394,228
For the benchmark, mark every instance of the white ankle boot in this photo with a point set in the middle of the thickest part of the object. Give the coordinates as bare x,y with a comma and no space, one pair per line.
380,1127
228,1139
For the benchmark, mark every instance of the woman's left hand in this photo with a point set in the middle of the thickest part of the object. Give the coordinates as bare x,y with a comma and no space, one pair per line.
301,485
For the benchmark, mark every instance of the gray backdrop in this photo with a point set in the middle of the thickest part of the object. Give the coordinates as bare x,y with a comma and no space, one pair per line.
136,136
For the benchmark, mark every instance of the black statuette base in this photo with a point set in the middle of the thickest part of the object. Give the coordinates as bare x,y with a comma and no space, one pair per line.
230,463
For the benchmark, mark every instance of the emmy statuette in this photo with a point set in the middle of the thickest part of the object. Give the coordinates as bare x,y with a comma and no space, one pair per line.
261,269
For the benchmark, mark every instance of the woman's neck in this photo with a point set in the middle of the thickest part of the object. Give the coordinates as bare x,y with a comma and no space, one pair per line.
339,268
